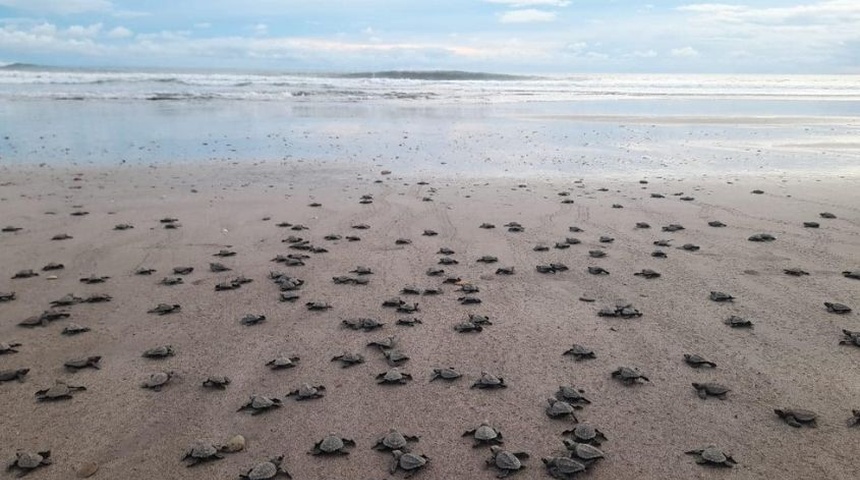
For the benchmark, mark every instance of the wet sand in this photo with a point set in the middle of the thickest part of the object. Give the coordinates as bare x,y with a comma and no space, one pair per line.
791,358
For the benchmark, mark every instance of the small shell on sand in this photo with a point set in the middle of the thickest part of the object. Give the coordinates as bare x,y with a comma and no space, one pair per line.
87,469
235,444
51,277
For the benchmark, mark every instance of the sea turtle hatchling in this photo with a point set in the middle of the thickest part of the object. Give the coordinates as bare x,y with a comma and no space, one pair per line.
410,290
837,308
144,271
580,352
97,298
332,444
384,343
449,374
62,236
394,440
435,272
488,259
586,433
560,409
795,272
850,338
563,468
469,300
704,390
486,226
721,297
505,271
317,306
621,309
161,351
10,347
182,270
445,251
411,463
224,253
647,273
672,227
216,267
855,274
16,374
716,224
26,462
393,377
585,453
395,357
698,361
157,380
484,434
642,225
658,254
348,359
94,279
827,215
60,391
598,271
67,300
690,247
468,288
407,308
448,261
628,376
761,237
164,309
366,324
432,291
362,271
171,281
201,452
53,266
25,274
283,362
217,382
258,404
489,381
572,395
506,462
797,417
85,362
252,319
408,321
712,456
308,392
735,321
266,470
855,418
811,225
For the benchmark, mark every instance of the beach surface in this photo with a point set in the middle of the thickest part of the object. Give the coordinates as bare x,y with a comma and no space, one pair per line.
790,358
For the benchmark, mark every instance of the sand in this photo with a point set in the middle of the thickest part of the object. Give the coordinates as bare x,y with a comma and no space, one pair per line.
790,359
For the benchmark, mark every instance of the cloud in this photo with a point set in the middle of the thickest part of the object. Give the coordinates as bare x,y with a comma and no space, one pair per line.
62,7
531,3
120,32
529,15
260,29
685,52
80,31
829,11
644,54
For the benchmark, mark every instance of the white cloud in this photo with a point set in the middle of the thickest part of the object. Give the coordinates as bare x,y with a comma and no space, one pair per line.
203,25
528,15
828,11
531,3
644,54
80,31
120,32
59,6
685,52
260,29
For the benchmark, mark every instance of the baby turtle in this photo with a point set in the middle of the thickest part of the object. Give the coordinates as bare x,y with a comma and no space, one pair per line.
218,267
721,297
716,224
620,310
251,319
673,227
164,309
851,338
8,348
411,463
288,296
580,352
348,359
448,261
182,270
26,462
266,470
393,377
572,395
811,225
488,259
171,281
586,433
403,241
86,362
201,452
469,300
445,251
98,298
408,321
62,236
432,291
797,417
689,247
506,462
505,271
762,237
258,404
157,381
410,290
712,456
317,306
9,375
332,444
383,344
855,274
560,409
837,308
584,452
43,319
362,271
430,233
541,248
597,271
159,352
572,241
469,288
489,381
468,327
827,215
628,376
283,362
366,324
308,392
435,272
855,418
704,390
93,279
10,229
53,266
484,435
596,253
658,254
449,374
738,322
407,308
395,357
224,253
795,272
394,440
647,273
67,300
393,302
218,382
60,391
563,468
698,361
144,271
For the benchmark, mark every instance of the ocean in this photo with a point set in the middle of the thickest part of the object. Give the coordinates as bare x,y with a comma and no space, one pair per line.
431,121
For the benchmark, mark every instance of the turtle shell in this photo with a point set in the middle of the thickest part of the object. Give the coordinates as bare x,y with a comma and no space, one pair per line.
331,443
30,460
259,402
486,432
506,460
394,440
411,461
563,465
713,455
158,378
263,471
202,450
587,452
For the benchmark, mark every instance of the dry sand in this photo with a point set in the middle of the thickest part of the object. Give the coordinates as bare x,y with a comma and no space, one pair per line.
790,358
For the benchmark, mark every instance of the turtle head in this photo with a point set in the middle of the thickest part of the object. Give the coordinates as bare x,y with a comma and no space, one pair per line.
397,454
495,449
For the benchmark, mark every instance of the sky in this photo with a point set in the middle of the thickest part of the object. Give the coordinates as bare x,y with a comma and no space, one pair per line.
505,36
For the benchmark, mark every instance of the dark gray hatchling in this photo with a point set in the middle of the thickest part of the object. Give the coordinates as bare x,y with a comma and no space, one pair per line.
712,456
850,338
484,435
761,237
642,225
365,324
827,215
164,309
628,376
689,247
647,273
598,271
94,279
585,433
408,321
469,300
59,391
252,319
170,281
157,381
506,462
410,290
563,468
445,251
393,377
348,359
266,470
658,254
362,271
26,462
855,418
384,343
80,363
317,306
585,453
560,409
159,352
67,300
795,272
580,352
408,308
394,440
7,296
505,271
25,274
218,267
716,223
572,395
308,392
855,274
283,362
735,321
721,297
9,347
53,266
16,374
488,259
489,381
710,389
698,361
332,444
395,357
837,308
216,382
258,404
410,463
797,417
182,270
201,452
449,374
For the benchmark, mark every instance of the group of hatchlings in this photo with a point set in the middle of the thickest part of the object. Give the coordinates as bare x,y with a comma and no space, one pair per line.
581,442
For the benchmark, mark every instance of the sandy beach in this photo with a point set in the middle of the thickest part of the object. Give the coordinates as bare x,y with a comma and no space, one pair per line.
790,358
